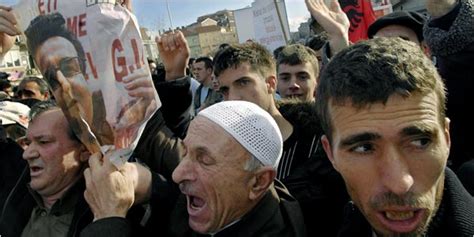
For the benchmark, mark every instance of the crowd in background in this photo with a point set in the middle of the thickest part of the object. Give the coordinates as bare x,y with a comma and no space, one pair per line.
330,138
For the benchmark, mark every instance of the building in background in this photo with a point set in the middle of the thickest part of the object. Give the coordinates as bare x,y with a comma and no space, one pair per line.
17,58
149,44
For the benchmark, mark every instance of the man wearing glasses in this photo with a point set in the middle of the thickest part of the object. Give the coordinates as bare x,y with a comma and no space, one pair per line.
61,59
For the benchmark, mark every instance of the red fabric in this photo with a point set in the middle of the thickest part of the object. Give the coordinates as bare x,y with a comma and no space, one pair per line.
361,15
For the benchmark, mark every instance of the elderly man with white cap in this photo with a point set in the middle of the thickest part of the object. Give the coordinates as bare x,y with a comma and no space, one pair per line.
227,176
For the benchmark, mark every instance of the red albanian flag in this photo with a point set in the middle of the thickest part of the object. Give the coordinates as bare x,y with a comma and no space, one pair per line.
361,15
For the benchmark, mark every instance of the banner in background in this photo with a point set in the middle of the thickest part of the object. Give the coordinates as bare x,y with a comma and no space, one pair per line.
267,25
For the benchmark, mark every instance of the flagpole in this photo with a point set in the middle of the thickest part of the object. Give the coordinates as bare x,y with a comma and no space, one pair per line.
281,21
169,16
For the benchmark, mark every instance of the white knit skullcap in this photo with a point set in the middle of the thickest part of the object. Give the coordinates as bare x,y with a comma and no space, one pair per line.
251,126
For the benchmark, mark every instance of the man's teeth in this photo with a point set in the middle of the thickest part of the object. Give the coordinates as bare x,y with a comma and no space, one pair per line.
399,215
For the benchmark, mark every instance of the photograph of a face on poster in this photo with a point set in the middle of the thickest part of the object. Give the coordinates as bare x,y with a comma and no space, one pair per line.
91,54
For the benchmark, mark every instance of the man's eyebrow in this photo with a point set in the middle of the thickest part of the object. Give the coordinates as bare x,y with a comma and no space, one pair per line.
302,73
284,73
242,79
418,130
202,150
39,137
357,138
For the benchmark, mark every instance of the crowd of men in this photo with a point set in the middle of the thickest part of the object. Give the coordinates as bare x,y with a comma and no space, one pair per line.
365,139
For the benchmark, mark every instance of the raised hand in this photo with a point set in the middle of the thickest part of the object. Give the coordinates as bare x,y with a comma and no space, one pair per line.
7,29
333,20
174,51
110,192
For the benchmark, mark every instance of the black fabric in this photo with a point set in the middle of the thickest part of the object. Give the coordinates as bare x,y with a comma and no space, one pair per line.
410,19
447,20
277,214
465,174
113,226
455,217
454,51
176,98
12,165
17,209
318,187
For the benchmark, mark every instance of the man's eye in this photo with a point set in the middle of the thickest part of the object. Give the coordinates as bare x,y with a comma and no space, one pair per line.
362,148
44,141
284,78
421,143
303,78
243,82
205,160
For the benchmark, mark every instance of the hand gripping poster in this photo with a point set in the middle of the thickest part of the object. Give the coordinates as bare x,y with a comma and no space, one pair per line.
91,54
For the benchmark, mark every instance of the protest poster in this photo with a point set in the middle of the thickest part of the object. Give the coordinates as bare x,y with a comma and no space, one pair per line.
269,21
91,54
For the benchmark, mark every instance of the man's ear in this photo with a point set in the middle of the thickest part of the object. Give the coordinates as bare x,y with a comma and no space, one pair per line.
327,148
261,181
271,82
447,135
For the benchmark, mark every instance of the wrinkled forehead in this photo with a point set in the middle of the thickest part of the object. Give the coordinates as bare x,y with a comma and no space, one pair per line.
235,72
53,50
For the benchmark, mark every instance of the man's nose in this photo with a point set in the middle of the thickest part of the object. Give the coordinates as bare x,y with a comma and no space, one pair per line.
183,171
395,172
30,152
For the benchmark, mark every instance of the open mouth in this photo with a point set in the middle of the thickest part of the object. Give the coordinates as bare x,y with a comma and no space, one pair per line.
401,221
195,205
35,170
196,202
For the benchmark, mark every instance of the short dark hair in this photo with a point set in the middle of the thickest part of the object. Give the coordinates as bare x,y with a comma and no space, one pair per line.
44,27
207,62
47,105
296,54
256,55
316,42
42,84
4,84
371,71
277,51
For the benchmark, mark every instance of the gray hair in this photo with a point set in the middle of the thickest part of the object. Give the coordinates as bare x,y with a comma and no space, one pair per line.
47,105
252,164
